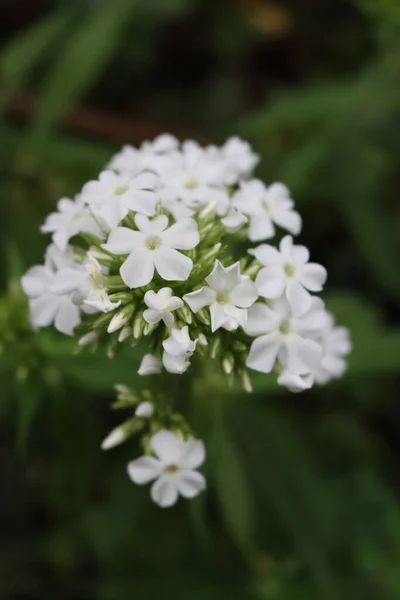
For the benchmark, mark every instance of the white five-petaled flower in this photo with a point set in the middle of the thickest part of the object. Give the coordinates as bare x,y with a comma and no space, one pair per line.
336,344
178,348
51,289
161,305
154,247
288,271
283,337
151,156
72,218
266,207
239,159
173,468
113,195
228,294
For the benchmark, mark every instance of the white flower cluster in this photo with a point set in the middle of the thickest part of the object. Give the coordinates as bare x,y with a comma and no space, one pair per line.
144,253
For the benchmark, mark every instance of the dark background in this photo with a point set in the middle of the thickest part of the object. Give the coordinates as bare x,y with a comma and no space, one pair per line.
303,498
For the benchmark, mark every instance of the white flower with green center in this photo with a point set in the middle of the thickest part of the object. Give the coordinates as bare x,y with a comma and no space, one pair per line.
52,290
284,338
154,247
228,294
178,348
288,271
172,468
266,207
113,195
73,217
161,306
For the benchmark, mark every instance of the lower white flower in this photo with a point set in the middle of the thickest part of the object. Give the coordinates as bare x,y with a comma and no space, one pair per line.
284,338
161,305
51,289
178,348
154,247
336,344
229,294
288,271
172,468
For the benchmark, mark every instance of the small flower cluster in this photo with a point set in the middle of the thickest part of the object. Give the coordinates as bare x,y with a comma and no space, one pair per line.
145,253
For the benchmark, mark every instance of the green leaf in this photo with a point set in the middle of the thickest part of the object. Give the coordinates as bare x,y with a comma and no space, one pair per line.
26,49
233,488
81,63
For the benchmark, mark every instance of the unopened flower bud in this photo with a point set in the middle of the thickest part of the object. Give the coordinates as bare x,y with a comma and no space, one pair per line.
145,410
114,438
228,364
215,346
124,333
88,339
120,318
138,327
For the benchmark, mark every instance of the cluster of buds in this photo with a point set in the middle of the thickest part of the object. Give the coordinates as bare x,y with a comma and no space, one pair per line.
153,251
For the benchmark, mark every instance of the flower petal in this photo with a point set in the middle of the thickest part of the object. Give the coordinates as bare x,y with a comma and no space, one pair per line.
261,227
142,201
138,269
237,316
261,320
267,255
193,454
190,483
288,219
263,352
122,240
200,298
245,294
218,316
295,383
144,469
175,363
156,225
67,280
217,279
271,282
151,316
164,491
299,299
166,446
171,264
303,355
67,317
150,365
36,280
313,277
43,309
183,235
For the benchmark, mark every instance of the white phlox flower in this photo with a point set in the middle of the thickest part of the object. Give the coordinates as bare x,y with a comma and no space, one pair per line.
172,468
151,156
288,271
154,247
178,348
51,288
283,337
228,294
161,306
239,159
92,295
113,195
336,344
72,218
150,365
266,207
193,178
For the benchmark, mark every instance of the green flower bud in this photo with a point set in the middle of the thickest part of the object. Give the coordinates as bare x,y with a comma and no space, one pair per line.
228,363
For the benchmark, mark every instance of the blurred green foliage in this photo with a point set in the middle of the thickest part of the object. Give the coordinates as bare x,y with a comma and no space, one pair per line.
303,490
